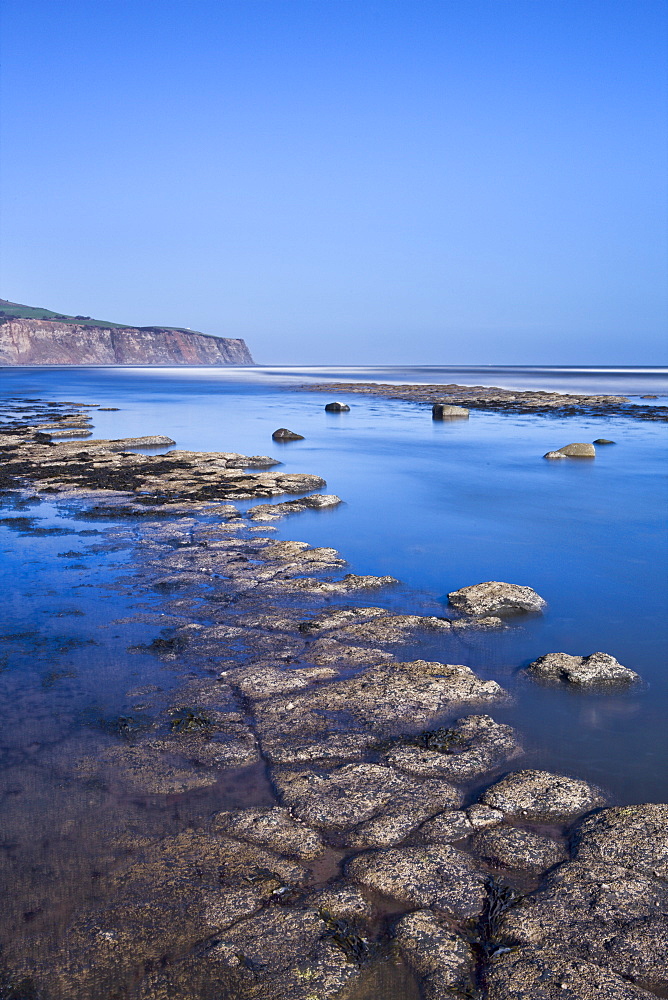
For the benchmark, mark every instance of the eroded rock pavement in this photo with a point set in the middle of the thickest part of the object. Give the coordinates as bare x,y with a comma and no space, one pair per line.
397,847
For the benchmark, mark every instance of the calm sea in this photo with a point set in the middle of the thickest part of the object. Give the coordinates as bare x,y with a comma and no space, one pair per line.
438,505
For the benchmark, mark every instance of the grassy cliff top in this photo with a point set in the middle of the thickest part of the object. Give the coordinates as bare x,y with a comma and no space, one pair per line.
14,310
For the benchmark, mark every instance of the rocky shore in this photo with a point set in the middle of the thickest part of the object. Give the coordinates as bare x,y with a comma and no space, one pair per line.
480,397
401,846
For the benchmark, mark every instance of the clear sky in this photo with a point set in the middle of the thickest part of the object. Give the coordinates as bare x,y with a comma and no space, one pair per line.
345,181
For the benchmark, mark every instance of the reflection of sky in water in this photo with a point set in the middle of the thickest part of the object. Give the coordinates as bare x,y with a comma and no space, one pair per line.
439,505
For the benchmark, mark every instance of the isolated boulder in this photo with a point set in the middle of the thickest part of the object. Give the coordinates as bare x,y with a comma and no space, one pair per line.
283,434
579,449
494,598
337,408
441,411
603,441
594,670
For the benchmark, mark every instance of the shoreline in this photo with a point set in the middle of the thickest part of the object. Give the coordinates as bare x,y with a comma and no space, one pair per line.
498,399
374,769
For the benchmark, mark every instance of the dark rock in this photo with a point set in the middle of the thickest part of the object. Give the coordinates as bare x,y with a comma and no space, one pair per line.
497,598
477,744
531,974
539,795
443,960
448,826
633,836
602,914
283,434
595,670
374,804
515,848
337,407
431,876
274,828
444,411
603,441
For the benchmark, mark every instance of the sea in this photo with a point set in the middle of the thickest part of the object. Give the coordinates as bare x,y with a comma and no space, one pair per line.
438,505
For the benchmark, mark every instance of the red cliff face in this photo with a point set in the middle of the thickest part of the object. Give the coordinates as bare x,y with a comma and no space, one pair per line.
45,342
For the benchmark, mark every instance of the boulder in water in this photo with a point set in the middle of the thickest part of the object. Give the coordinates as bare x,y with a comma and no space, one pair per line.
442,411
283,434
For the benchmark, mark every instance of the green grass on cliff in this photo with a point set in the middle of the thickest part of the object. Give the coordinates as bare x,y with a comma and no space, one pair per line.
14,310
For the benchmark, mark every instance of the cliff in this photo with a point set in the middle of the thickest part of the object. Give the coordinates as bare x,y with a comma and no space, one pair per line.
51,342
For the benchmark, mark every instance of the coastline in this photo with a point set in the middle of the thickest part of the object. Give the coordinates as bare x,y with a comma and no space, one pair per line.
498,399
290,677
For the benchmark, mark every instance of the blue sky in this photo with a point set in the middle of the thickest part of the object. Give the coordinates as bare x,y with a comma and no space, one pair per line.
345,181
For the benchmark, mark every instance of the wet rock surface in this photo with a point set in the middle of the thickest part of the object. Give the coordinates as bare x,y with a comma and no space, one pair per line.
443,960
595,670
599,913
541,796
580,449
437,877
633,836
445,411
512,847
527,974
470,747
495,598
373,804
273,512
283,434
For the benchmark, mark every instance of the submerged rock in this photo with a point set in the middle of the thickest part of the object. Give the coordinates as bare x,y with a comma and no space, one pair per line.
495,598
633,836
432,876
603,441
337,408
539,795
289,953
585,671
283,434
